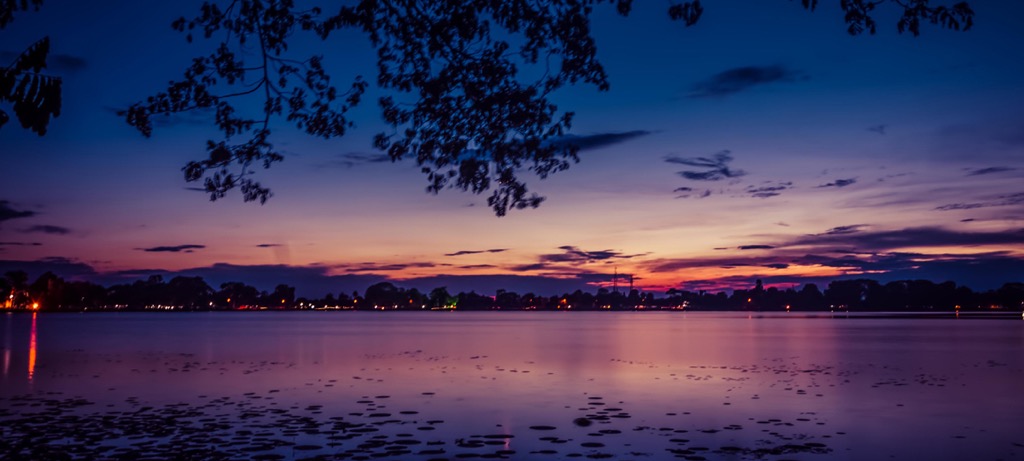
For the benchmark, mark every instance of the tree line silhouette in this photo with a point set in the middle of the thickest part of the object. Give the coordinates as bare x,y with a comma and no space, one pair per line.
50,292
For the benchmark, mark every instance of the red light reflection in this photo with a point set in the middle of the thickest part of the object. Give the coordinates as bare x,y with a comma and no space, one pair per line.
32,349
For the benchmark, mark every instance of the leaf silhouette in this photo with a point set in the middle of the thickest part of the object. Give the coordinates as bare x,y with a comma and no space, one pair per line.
36,97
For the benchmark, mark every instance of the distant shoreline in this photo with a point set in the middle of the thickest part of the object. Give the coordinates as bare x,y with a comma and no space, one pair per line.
1001,314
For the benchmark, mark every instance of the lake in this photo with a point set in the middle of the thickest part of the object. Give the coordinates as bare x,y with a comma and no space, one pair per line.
510,385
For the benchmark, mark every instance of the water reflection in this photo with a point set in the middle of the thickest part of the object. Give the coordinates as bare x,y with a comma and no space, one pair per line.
7,345
32,350
550,386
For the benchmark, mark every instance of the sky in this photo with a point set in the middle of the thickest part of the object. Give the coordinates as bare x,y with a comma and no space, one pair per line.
762,143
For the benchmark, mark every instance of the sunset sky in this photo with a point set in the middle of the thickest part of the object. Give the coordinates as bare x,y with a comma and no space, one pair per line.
762,143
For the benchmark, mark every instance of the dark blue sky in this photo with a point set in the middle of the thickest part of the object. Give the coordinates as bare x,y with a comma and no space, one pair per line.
764,142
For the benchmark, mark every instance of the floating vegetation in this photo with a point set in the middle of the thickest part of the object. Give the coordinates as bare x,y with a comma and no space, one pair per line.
59,428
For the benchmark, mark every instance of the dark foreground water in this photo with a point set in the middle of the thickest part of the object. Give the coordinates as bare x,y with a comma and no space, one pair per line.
546,386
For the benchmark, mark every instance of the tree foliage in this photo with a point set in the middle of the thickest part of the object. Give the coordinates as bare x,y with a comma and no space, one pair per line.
465,84
9,7
34,96
859,18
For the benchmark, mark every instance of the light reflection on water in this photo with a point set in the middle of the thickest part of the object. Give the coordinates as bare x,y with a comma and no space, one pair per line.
8,325
32,350
863,387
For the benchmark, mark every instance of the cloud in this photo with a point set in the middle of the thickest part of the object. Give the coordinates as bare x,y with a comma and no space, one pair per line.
995,138
268,245
686,192
59,62
478,266
999,200
47,229
570,260
769,190
733,262
893,176
351,159
315,281
702,175
522,284
582,142
66,63
198,117
905,238
880,129
575,255
839,183
740,79
854,251
63,267
473,252
980,272
374,267
989,170
985,270
843,230
533,267
714,168
307,280
7,213
724,262
173,249
597,141
20,244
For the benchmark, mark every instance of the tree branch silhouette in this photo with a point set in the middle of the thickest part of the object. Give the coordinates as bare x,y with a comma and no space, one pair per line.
454,76
34,96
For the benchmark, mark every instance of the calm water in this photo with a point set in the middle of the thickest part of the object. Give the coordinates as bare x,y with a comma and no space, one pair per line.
346,385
